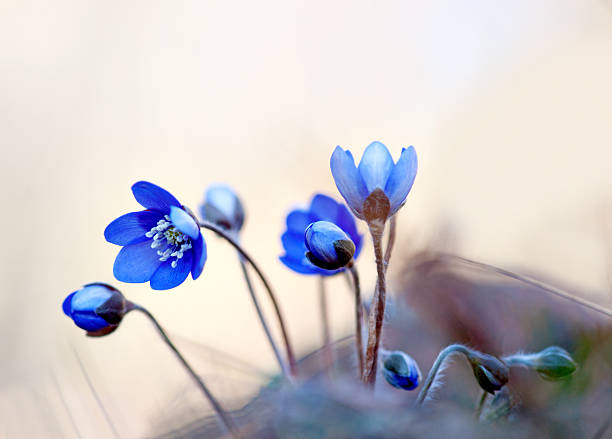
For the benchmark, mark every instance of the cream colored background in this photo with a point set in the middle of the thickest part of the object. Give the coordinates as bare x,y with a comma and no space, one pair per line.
509,105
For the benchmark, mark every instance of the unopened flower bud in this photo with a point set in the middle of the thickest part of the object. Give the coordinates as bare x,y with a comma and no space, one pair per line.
554,363
97,308
490,372
329,247
223,208
400,370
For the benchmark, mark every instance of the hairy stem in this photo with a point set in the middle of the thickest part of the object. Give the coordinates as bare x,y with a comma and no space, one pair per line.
279,315
443,355
221,414
377,313
262,319
358,319
390,240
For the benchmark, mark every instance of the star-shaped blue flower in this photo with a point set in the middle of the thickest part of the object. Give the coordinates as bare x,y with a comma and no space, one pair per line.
322,208
161,244
376,171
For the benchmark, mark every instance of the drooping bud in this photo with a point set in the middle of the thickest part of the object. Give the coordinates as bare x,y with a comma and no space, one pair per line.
329,247
223,208
400,370
490,372
97,308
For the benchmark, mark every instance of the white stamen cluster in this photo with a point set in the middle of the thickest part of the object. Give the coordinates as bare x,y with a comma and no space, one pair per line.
176,242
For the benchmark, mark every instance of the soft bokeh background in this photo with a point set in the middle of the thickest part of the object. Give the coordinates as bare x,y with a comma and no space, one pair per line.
509,106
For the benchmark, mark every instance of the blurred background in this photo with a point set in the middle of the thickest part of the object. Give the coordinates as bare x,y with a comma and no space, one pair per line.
509,106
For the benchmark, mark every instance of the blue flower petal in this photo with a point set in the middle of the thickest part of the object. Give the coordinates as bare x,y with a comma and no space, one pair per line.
90,297
199,257
302,266
67,304
324,208
184,222
375,166
136,263
298,220
348,180
294,245
89,321
346,221
131,227
167,277
153,197
401,179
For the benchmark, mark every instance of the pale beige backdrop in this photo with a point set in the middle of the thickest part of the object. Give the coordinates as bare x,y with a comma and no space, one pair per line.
509,105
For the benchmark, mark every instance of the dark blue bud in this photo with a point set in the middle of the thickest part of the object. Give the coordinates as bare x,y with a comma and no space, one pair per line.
400,370
97,308
329,247
223,208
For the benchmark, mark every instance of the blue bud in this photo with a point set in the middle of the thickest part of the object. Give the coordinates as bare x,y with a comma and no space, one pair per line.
223,208
400,370
97,308
329,247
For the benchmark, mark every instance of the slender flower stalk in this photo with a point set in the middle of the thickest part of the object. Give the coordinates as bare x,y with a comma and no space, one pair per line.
377,313
358,318
262,320
481,404
327,350
442,356
490,372
222,233
390,240
224,418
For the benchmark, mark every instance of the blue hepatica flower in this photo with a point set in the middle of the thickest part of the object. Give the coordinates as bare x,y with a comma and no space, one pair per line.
400,370
97,308
322,208
223,207
161,244
376,173
329,247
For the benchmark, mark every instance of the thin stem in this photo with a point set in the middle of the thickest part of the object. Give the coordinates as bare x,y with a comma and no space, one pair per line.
377,313
535,283
327,350
279,315
436,368
358,319
221,414
109,421
481,404
390,240
262,319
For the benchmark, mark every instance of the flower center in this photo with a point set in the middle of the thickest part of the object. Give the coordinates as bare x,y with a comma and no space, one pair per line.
171,242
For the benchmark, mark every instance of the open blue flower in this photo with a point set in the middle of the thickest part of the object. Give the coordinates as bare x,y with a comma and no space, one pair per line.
376,171
322,208
161,244
400,370
97,308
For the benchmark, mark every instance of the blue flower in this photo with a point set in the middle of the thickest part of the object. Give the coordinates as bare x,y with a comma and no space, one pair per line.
161,244
400,370
376,174
97,308
223,207
329,247
322,208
